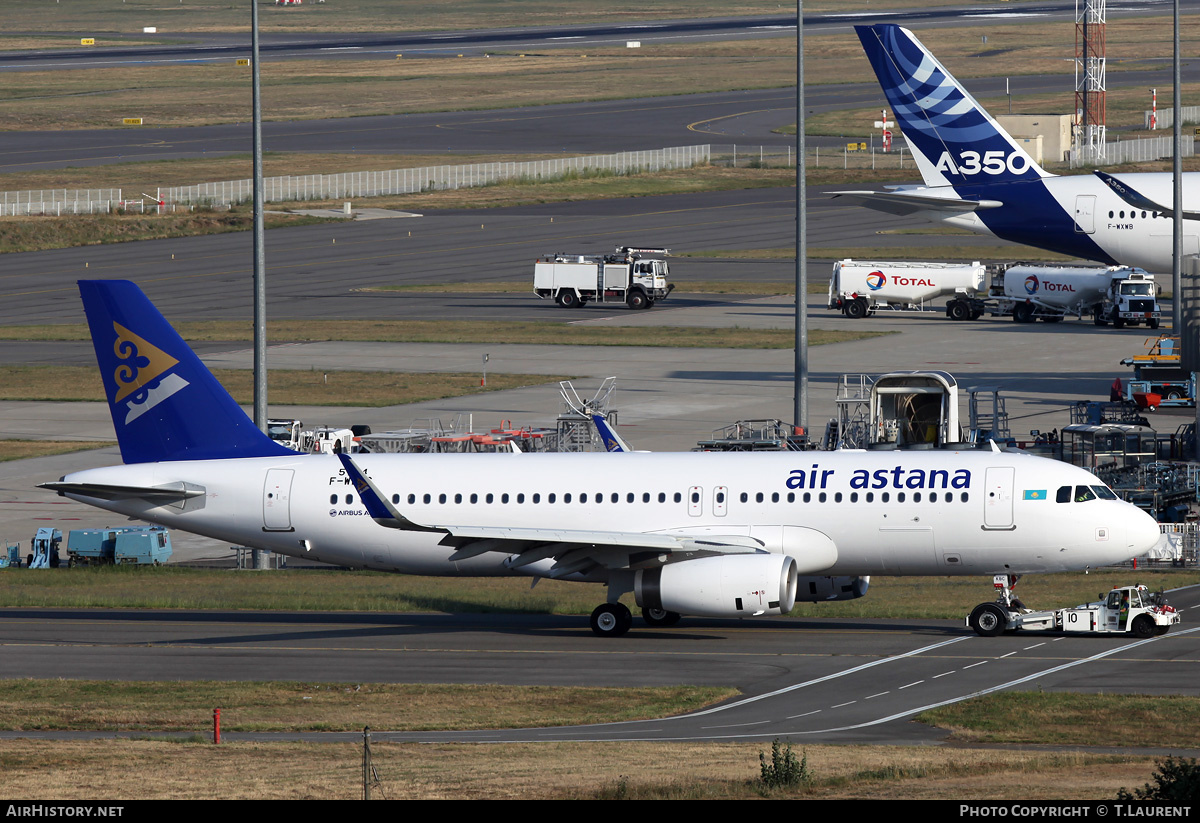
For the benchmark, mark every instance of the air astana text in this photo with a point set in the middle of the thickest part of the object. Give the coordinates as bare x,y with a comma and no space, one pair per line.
897,477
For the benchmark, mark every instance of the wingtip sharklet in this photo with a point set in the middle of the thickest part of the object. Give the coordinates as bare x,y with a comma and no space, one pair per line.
378,506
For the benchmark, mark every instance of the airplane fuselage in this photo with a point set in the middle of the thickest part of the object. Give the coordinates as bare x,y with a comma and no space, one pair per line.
836,513
1081,217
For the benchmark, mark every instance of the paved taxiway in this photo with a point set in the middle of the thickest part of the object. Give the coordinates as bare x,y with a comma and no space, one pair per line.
810,679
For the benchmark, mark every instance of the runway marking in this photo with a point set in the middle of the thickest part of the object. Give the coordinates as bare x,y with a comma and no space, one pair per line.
915,683
551,733
881,694
910,712
1034,646
1010,654
834,676
737,725
847,703
998,687
973,665
806,714
943,674
700,125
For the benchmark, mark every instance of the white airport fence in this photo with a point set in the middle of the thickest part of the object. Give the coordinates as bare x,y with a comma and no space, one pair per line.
1134,151
863,155
434,178
1166,117
59,201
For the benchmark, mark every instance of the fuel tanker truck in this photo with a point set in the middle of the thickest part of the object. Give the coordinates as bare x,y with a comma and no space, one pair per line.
1121,296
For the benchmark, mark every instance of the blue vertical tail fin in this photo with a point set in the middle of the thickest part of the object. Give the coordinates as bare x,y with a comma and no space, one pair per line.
165,403
953,139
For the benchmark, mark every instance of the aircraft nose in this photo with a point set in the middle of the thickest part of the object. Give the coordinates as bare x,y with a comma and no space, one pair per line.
1143,532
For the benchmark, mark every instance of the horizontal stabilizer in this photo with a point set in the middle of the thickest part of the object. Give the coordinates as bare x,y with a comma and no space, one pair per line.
1138,200
168,493
904,203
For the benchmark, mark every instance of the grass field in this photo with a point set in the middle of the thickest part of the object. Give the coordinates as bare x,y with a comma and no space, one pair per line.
430,331
100,769
289,388
129,16
894,598
25,449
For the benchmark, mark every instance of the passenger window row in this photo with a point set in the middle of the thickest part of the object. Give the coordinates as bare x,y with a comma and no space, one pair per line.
677,497
854,497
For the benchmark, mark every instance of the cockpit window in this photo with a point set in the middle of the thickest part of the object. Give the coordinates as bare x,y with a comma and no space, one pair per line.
1104,492
1084,493
1064,494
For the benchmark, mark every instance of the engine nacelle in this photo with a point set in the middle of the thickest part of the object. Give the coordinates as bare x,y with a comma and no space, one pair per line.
817,589
735,585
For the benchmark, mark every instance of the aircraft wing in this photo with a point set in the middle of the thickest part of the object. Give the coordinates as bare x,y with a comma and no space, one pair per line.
911,202
1138,200
572,549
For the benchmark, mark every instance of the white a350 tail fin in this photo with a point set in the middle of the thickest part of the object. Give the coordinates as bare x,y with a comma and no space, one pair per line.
955,142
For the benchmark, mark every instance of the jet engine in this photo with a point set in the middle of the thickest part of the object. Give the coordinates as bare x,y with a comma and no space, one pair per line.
817,589
736,585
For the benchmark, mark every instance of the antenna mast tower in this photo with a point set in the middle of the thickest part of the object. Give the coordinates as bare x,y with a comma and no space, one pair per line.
1090,117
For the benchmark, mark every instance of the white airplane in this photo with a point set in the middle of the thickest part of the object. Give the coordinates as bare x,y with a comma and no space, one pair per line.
977,178
719,535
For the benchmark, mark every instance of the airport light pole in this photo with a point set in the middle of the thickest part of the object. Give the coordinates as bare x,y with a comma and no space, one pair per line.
1177,324
260,257
800,390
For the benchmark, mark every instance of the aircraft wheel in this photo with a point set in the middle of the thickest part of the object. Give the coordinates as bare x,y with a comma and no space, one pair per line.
611,620
988,620
660,617
1143,626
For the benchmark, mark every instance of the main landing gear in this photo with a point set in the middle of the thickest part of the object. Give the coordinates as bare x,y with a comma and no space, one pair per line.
614,619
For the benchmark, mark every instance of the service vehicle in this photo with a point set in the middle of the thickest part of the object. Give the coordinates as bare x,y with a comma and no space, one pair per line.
286,433
1159,378
635,277
1124,610
860,288
1122,296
